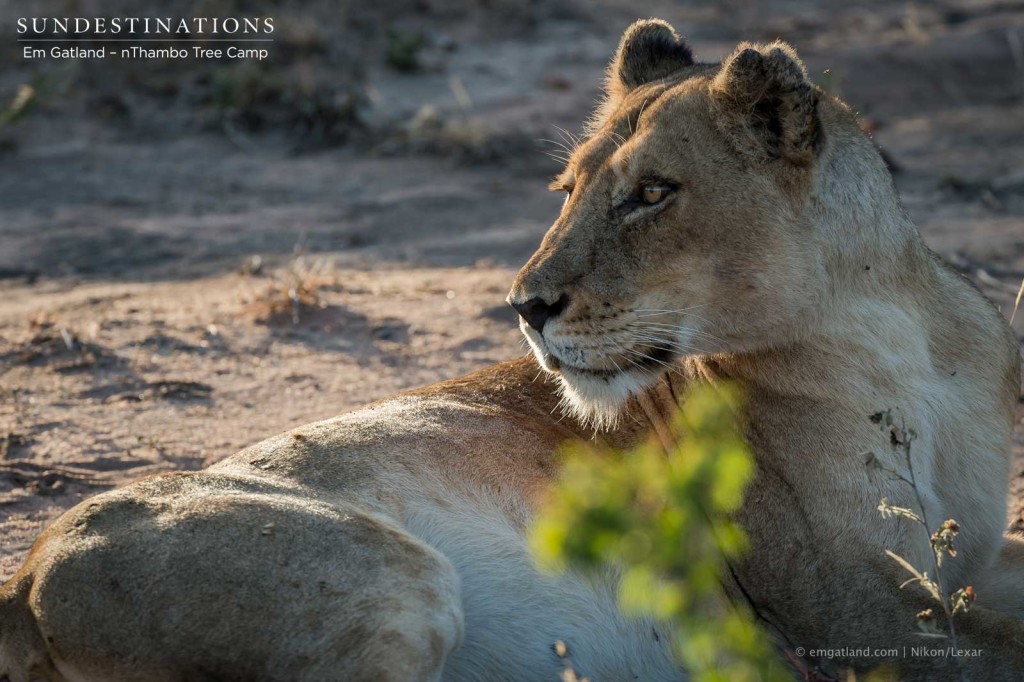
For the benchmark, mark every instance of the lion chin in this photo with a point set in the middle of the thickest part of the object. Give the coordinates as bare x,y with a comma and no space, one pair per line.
598,400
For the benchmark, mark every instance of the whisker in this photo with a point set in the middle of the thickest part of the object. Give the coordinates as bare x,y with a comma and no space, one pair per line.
671,368
574,140
651,358
557,157
633,417
642,318
678,310
641,112
660,338
559,147
670,330
685,352
673,330
666,343
673,325
617,368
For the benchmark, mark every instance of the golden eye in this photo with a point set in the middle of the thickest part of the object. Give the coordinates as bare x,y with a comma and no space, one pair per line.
654,194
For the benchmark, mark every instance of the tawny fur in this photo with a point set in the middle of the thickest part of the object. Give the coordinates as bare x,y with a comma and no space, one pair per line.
388,544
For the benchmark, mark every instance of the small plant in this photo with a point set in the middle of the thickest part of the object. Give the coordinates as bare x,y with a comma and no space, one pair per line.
941,540
661,514
461,137
402,50
23,100
292,293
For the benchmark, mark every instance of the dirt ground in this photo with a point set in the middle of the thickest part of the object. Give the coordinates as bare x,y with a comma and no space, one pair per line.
170,293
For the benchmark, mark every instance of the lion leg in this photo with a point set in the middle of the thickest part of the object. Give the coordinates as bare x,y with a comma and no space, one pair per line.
1002,586
23,655
205,583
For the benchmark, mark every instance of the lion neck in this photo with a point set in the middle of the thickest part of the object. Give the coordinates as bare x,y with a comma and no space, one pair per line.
870,312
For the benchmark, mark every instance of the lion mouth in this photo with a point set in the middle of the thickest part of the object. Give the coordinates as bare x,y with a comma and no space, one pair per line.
597,396
647,360
554,364
656,357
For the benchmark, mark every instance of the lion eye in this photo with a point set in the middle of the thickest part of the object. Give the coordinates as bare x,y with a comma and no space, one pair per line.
654,194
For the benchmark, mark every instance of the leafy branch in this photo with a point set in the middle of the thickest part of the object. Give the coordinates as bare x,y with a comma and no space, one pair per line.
661,516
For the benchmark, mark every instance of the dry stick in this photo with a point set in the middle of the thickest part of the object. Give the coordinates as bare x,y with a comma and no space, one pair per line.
1016,303
987,279
935,560
1016,46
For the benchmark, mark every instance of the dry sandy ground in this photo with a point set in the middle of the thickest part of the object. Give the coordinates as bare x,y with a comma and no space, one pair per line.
137,333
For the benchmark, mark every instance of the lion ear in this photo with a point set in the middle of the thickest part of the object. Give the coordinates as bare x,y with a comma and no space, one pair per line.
650,49
770,106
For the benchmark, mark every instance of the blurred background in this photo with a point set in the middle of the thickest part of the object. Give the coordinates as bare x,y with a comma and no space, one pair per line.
197,254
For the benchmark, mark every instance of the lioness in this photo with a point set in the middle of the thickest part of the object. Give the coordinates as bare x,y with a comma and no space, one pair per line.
721,221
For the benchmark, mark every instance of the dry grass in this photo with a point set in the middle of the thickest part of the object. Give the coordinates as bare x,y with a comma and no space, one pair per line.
1016,301
291,292
462,137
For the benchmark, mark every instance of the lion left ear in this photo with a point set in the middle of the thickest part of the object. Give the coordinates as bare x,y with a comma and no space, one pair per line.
771,106
650,49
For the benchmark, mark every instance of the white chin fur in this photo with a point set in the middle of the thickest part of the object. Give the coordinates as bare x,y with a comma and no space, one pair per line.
598,402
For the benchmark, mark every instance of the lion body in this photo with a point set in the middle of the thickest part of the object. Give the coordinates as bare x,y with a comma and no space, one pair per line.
390,543
381,545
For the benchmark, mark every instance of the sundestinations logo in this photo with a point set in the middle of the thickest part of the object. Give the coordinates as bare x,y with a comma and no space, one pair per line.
140,37
99,26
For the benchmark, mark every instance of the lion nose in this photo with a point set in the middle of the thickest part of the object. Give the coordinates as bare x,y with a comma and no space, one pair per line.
536,311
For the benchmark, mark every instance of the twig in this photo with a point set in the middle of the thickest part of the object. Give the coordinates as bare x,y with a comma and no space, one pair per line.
905,444
1016,303
985,278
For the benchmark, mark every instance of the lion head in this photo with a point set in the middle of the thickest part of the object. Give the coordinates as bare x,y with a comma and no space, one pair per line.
709,209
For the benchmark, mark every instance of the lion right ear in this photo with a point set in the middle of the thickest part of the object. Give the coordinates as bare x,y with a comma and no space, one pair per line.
650,49
770,107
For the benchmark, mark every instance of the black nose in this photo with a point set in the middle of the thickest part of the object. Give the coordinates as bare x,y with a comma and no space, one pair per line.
537,312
